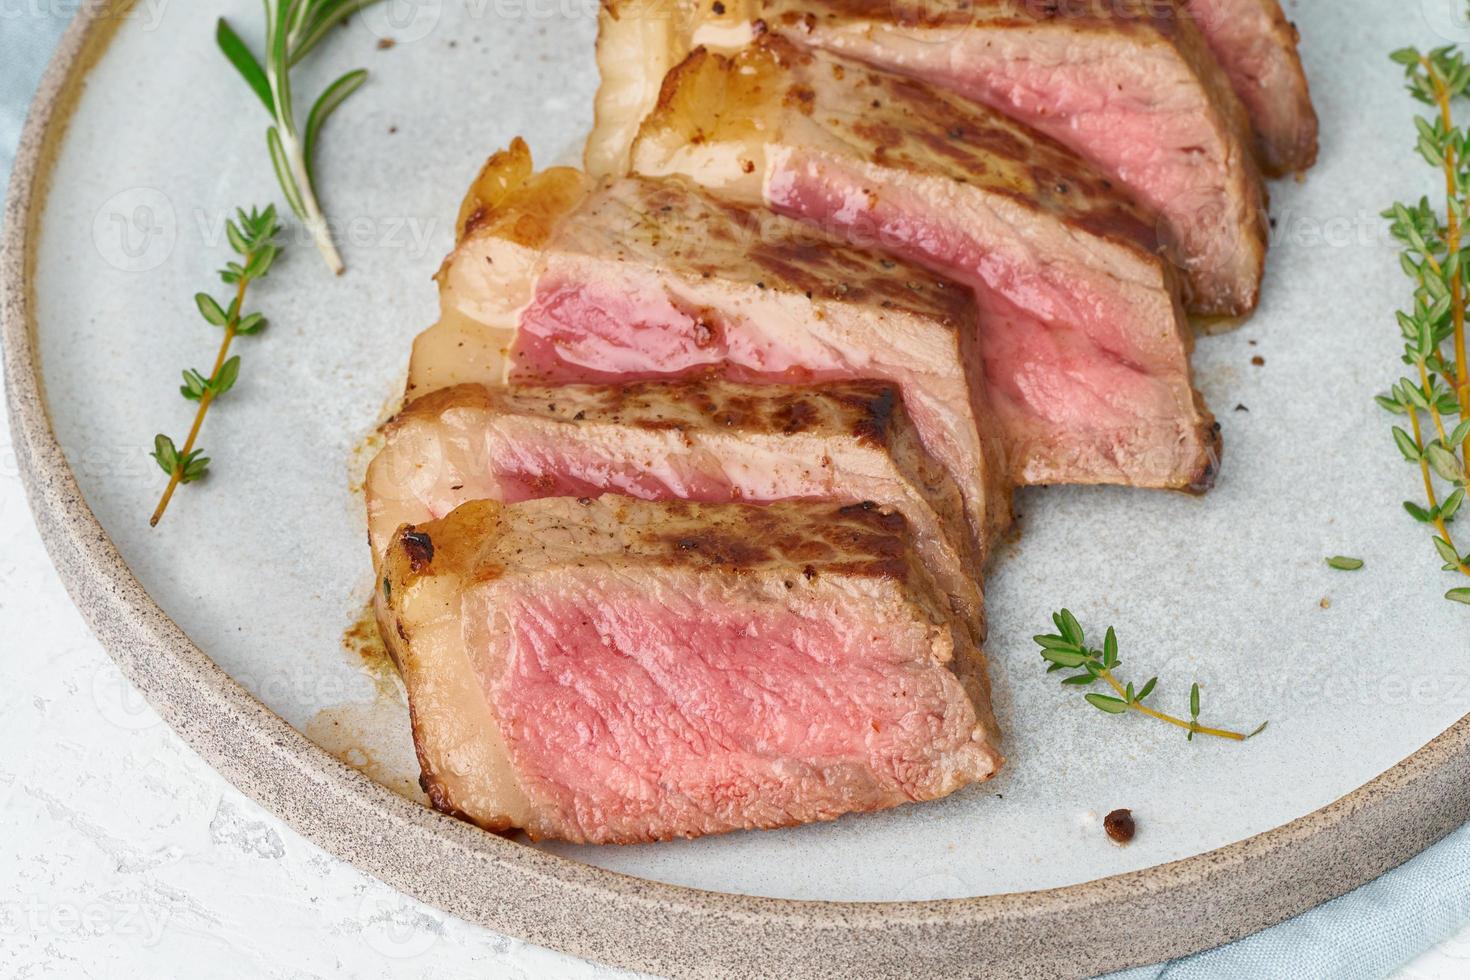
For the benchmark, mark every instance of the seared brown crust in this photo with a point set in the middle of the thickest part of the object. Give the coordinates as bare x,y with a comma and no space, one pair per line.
869,411
727,265
481,539
1148,23
1148,17
675,222
1257,45
777,99
1219,280
843,441
895,122
1204,480
509,200
784,548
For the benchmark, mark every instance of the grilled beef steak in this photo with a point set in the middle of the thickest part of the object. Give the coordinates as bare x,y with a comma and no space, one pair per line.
1084,341
1130,85
618,671
703,440
1256,45
636,279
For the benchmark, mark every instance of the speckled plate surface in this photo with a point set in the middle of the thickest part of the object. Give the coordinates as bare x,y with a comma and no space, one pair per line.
230,617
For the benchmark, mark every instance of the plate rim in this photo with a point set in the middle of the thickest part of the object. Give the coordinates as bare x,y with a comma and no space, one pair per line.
1131,919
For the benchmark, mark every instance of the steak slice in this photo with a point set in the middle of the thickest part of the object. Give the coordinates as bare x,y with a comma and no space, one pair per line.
703,440
561,279
1257,47
1084,342
615,671
1129,85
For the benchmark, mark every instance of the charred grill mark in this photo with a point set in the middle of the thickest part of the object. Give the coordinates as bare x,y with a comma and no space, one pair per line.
796,415
718,238
865,409
717,548
419,548
875,418
801,98
1161,18
478,218
1204,479
962,139
660,425
1119,223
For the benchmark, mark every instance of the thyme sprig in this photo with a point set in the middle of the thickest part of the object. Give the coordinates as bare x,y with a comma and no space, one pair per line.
1067,649
253,237
1437,386
292,29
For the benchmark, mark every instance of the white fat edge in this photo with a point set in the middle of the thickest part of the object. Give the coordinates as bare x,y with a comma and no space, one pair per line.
484,289
454,723
634,52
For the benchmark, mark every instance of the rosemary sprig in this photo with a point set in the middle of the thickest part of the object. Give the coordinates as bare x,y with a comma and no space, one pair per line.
252,236
292,29
1067,649
1432,256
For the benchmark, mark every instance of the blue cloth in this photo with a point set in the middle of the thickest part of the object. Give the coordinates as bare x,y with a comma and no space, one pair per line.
1365,934
27,37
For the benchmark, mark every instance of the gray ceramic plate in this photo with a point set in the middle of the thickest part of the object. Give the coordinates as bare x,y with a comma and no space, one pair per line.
230,616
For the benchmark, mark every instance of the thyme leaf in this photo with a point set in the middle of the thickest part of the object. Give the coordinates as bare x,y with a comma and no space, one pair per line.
1067,649
252,236
1434,395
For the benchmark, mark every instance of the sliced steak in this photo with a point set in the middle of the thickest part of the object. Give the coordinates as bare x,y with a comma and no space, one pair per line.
703,440
615,671
1257,47
637,279
1130,85
1084,342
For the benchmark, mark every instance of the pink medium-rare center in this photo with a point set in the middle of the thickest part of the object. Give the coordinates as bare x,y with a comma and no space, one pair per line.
1101,393
1032,310
611,670
651,711
640,279
705,440
581,330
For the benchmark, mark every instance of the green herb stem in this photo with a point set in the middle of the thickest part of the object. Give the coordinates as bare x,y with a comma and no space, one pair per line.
1442,97
1432,256
292,28
1067,649
1190,726
252,237
176,477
